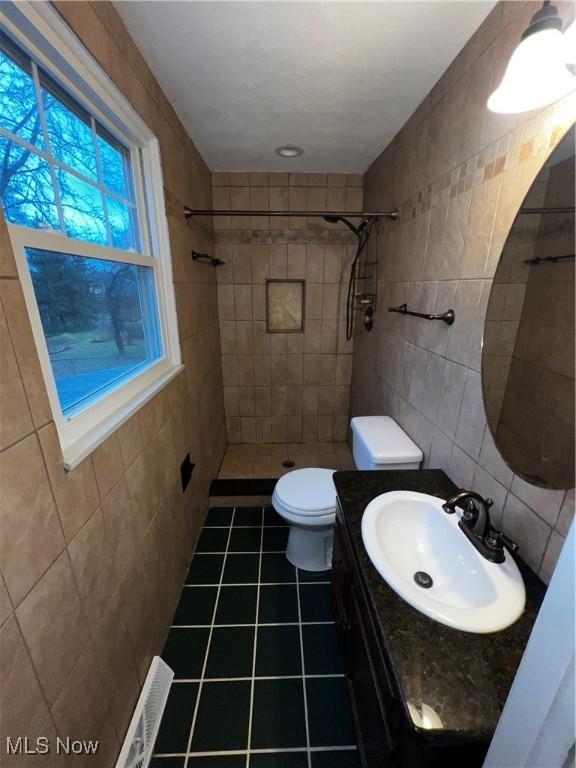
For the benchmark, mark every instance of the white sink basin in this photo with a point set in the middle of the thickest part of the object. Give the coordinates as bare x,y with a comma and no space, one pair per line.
405,533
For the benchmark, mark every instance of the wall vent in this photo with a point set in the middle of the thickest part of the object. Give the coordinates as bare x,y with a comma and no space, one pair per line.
139,742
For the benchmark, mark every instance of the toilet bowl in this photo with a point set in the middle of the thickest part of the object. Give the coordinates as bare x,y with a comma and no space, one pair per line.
306,498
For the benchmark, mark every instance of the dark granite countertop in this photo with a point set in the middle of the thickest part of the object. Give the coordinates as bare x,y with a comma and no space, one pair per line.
463,678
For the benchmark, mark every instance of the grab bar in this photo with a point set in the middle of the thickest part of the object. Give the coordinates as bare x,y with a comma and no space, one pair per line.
448,317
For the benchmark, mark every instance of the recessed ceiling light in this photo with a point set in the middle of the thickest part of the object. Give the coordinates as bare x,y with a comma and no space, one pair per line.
289,151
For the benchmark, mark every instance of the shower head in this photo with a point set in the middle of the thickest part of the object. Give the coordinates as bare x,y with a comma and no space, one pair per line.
331,219
207,258
334,219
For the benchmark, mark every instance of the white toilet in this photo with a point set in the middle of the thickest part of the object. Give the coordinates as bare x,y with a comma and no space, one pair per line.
306,498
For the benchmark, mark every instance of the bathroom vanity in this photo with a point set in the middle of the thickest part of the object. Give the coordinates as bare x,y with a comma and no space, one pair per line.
424,695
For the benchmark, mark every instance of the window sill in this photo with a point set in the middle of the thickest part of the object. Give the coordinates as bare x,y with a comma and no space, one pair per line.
73,453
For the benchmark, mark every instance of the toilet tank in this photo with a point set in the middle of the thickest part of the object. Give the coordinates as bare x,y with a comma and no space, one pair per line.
379,443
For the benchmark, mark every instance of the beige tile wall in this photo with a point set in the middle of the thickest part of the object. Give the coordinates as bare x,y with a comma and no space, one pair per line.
279,387
92,561
459,174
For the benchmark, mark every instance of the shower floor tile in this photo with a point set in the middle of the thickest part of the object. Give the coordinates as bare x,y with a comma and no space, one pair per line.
259,641
248,461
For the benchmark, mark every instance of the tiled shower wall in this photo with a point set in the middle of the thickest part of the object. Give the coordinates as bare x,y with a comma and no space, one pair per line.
282,387
92,561
459,174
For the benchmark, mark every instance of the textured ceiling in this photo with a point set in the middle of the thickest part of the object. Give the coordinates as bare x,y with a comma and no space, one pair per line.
336,78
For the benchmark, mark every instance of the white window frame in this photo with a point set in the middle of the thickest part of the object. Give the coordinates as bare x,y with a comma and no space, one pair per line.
41,32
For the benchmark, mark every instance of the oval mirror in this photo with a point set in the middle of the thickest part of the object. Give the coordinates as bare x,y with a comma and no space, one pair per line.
528,346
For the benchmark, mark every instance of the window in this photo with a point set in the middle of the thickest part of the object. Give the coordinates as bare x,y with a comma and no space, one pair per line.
99,319
81,190
59,168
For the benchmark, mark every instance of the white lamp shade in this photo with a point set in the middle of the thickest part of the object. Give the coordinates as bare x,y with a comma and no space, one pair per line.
570,44
536,75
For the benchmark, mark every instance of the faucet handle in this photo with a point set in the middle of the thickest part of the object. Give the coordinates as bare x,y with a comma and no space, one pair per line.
510,545
497,540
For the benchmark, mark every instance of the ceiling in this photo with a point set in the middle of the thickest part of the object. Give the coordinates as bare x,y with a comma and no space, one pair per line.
338,79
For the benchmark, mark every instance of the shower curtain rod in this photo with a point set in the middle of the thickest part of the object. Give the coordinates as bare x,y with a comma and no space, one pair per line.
565,209
188,212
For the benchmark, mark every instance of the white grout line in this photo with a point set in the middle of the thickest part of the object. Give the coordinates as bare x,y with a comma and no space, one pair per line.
203,586
267,751
275,750
258,624
236,527
309,758
203,679
256,583
254,649
199,694
247,552
254,677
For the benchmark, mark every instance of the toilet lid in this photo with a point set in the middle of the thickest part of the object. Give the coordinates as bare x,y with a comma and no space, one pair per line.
308,491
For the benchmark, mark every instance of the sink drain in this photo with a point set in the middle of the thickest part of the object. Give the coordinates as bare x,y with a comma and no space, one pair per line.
423,579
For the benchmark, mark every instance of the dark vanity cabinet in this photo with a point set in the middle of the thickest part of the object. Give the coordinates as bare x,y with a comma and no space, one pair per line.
424,695
386,734
373,701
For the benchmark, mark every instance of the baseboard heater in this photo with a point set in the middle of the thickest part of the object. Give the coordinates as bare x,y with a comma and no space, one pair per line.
243,487
141,735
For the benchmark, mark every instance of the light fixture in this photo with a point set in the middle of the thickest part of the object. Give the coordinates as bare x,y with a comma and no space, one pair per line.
536,74
289,151
570,44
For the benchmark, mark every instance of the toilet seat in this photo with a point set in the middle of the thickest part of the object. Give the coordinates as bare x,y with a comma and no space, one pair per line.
306,497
